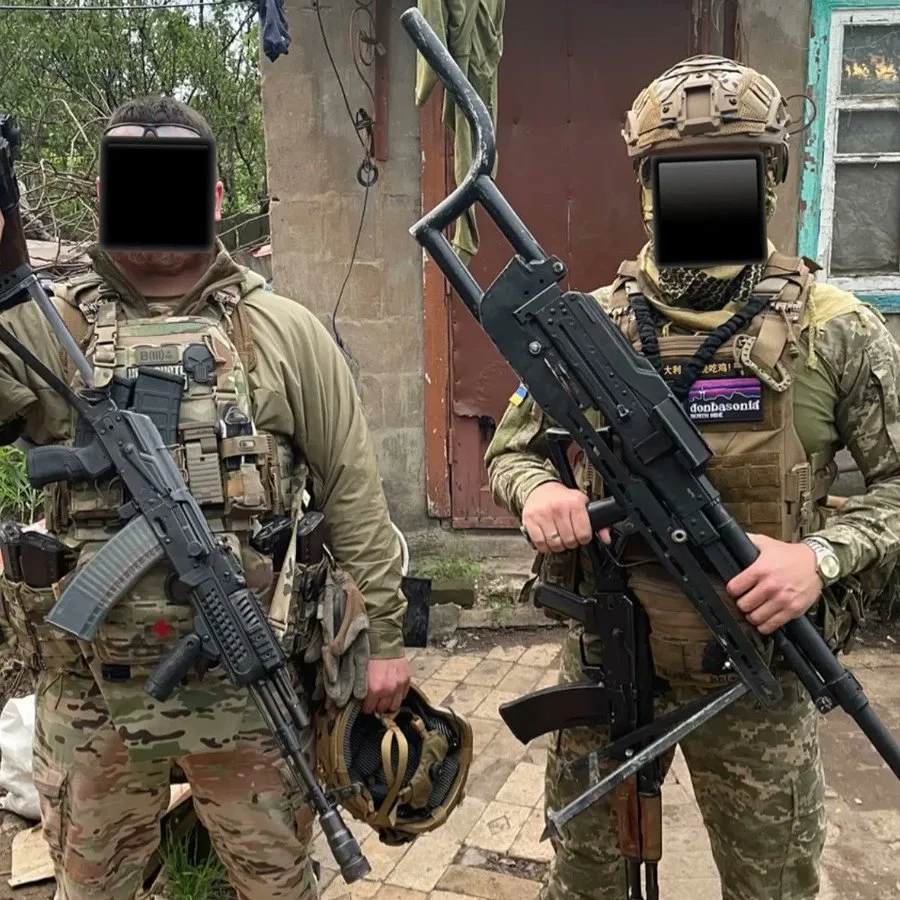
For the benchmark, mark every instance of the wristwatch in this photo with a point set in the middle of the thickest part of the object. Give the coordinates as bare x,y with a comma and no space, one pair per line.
828,567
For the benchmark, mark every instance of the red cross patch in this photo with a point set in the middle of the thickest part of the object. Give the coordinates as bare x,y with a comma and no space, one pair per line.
161,629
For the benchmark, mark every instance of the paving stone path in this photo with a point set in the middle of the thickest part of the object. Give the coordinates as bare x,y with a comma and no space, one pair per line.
489,849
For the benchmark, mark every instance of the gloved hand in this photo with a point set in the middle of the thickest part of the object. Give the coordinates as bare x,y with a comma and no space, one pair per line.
340,642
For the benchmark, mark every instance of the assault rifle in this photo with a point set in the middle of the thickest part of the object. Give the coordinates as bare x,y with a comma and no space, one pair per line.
619,693
164,522
571,357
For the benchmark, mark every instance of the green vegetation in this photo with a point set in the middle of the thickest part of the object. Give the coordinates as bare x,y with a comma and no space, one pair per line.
450,569
62,72
193,871
18,499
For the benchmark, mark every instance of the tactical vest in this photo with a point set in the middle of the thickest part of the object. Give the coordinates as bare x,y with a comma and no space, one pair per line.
738,391
235,473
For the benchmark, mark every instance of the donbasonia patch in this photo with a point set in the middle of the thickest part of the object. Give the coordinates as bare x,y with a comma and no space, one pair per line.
725,400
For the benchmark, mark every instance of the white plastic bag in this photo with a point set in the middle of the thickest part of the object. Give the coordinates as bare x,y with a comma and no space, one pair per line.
16,735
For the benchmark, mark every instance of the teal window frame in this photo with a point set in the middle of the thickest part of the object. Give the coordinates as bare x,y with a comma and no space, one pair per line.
817,176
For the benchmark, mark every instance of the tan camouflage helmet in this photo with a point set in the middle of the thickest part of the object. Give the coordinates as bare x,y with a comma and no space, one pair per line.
431,747
709,100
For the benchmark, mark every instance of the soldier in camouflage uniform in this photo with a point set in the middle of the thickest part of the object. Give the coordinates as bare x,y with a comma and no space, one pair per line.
104,749
823,370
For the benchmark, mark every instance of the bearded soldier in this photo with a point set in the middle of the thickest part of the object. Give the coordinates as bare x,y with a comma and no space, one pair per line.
257,366
821,371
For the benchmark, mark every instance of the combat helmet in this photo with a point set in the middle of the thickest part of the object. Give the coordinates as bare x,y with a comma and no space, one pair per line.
401,773
710,101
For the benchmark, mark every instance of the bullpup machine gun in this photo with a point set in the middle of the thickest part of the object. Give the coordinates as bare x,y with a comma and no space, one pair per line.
164,521
571,357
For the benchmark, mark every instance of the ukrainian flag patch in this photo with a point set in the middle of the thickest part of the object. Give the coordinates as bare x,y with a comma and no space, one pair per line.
520,394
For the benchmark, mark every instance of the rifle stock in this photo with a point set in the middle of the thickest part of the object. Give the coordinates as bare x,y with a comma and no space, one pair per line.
18,282
13,246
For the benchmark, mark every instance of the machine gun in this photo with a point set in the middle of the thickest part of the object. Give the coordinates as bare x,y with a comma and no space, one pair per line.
164,521
571,357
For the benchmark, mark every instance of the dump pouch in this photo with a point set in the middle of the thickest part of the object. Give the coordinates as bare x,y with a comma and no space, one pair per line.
8,640
843,608
40,645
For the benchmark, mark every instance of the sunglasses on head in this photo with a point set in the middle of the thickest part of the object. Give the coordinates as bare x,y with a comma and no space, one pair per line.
141,129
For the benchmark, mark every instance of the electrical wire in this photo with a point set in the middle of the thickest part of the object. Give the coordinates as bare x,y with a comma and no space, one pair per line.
363,41
334,312
367,173
404,551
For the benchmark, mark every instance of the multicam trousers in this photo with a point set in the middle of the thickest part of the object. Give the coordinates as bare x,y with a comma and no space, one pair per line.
101,811
759,782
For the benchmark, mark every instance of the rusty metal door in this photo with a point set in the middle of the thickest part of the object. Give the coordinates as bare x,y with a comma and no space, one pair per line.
569,72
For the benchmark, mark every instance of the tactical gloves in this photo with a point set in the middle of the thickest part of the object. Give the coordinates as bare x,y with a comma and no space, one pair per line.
340,641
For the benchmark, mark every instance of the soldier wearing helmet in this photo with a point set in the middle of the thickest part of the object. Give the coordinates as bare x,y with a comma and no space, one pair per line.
779,372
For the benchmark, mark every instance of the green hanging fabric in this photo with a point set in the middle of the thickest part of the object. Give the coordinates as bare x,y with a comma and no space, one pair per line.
472,30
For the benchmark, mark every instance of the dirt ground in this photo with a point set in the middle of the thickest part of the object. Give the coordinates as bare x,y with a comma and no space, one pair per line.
862,857
863,796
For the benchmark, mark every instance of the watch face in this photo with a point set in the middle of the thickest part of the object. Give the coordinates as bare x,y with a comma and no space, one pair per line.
830,567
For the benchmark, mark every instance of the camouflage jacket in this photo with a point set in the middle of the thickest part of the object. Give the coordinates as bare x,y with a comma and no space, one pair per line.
846,384
301,388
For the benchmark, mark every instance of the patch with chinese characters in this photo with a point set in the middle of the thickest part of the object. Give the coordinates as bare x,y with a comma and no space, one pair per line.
721,394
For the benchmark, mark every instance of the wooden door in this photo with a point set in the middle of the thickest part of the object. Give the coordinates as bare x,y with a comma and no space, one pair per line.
570,70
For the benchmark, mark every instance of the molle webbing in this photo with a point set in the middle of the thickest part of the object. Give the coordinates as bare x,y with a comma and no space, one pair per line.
235,475
89,292
758,466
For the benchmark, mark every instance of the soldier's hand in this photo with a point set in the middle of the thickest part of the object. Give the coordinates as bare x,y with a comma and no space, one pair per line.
555,518
782,584
2,222
388,684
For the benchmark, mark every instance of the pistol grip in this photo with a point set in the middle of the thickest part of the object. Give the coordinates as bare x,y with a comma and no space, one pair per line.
45,465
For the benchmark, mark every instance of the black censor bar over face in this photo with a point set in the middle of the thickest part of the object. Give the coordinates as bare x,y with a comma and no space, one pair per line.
709,211
171,180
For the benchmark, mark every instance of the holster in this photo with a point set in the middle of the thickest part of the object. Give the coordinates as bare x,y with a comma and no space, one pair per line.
41,646
34,572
